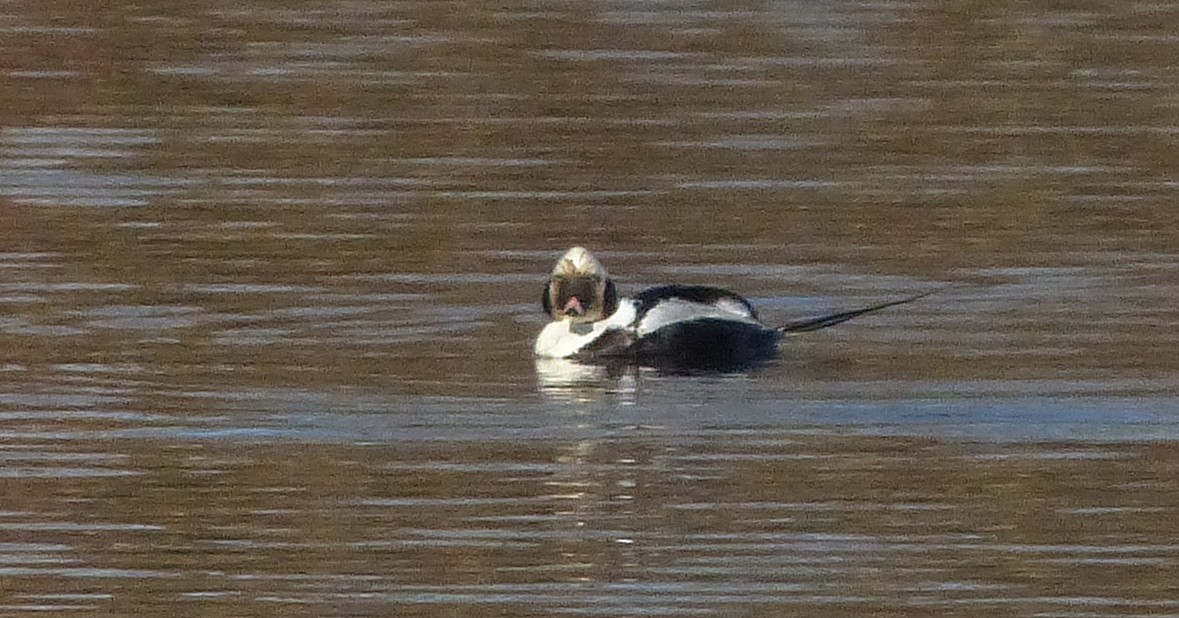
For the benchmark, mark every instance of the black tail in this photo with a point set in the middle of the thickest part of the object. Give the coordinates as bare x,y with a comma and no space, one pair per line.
803,326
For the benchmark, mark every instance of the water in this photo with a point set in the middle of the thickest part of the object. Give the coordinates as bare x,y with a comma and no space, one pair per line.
269,276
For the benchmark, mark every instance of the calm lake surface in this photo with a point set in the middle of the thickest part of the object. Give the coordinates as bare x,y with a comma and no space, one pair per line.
270,274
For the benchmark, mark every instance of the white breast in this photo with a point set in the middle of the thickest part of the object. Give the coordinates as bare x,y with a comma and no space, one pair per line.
679,310
562,339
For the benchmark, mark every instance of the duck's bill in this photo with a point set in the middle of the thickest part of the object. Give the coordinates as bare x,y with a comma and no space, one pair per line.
573,307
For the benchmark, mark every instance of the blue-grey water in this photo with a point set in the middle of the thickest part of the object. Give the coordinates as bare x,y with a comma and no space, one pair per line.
270,272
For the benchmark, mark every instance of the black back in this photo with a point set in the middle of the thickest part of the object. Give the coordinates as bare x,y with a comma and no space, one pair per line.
707,344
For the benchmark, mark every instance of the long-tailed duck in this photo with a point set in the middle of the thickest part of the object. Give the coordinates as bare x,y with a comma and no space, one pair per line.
674,326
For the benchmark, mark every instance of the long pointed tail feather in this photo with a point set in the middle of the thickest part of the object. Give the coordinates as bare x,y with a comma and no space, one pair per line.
810,324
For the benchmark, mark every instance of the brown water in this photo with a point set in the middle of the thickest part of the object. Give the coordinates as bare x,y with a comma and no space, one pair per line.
269,278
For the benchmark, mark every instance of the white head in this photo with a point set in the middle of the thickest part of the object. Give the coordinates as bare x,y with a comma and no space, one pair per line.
579,290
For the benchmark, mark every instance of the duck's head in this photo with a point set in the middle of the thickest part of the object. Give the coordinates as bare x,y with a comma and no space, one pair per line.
579,290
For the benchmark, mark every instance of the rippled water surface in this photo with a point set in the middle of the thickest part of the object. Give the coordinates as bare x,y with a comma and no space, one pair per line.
269,277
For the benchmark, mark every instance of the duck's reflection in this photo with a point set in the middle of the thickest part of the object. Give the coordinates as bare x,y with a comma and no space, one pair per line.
571,381
567,380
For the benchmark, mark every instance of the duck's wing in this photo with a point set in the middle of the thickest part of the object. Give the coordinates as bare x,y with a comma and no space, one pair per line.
732,302
667,305
613,343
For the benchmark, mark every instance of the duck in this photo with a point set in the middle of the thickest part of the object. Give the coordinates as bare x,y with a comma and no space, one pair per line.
677,327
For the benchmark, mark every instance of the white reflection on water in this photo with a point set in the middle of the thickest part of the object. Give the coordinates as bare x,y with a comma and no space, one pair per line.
37,167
